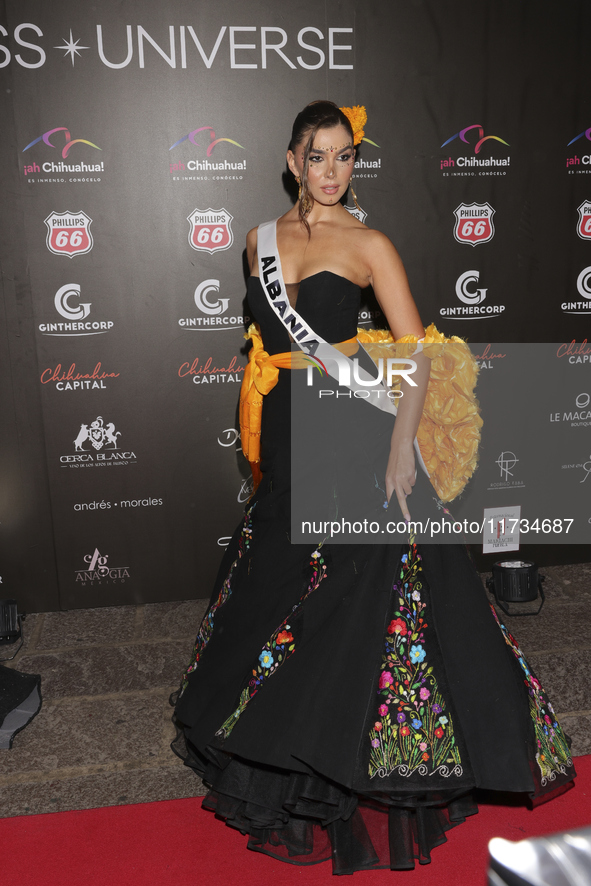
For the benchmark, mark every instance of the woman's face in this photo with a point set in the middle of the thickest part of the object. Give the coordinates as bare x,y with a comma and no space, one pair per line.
330,164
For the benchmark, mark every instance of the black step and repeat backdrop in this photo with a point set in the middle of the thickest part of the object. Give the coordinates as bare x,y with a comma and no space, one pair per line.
141,141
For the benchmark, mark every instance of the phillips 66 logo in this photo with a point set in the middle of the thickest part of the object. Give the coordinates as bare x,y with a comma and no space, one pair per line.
584,223
474,223
210,230
68,233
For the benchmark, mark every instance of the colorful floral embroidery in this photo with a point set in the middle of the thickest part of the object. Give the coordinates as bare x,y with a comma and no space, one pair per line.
412,734
206,629
280,646
553,753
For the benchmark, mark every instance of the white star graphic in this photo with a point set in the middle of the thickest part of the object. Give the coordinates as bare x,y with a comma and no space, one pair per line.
71,47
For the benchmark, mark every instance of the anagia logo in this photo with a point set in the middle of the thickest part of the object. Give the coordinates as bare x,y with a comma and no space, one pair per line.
97,569
210,230
68,233
584,222
481,137
69,142
474,223
213,141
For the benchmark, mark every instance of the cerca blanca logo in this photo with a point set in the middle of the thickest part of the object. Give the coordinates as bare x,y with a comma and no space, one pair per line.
97,570
472,296
75,312
97,445
214,310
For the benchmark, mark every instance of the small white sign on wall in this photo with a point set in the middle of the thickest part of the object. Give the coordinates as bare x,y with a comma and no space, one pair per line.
501,529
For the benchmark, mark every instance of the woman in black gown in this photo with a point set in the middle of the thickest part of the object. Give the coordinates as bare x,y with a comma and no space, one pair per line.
343,701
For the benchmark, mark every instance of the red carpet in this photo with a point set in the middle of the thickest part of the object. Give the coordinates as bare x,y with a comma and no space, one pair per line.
175,842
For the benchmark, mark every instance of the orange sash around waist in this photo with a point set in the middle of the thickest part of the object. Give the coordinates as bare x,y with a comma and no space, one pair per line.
260,377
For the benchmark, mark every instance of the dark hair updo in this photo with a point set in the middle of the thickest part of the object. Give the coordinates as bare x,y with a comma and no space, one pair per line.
317,115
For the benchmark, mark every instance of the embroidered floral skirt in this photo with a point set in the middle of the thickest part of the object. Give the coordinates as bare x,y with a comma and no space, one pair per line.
344,702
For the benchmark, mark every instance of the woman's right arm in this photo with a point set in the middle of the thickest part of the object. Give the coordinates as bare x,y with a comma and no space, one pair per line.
251,247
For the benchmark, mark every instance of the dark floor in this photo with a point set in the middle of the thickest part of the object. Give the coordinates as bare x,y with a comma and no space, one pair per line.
102,736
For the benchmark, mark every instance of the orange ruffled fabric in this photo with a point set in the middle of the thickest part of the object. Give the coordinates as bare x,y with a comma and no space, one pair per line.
449,431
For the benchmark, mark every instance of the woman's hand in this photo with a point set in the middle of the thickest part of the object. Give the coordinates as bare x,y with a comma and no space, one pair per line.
401,474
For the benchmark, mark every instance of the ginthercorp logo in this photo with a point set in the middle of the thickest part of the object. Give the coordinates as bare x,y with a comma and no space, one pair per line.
472,296
97,444
68,233
584,290
49,139
75,312
218,170
97,569
213,308
584,222
575,160
474,223
579,416
474,139
210,230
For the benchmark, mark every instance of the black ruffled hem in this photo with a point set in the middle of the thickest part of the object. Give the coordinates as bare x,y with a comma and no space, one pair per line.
375,836
303,818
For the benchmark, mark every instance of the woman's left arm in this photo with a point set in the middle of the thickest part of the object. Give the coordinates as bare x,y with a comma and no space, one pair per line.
390,285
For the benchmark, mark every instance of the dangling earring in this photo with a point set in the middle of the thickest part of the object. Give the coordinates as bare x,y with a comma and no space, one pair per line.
354,195
299,184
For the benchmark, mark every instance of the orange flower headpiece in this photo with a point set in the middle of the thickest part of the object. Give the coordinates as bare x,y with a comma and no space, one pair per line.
357,117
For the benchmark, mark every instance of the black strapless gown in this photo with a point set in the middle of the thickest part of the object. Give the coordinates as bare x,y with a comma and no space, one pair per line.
344,701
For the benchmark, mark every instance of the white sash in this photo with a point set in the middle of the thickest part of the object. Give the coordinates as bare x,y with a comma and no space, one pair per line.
338,366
